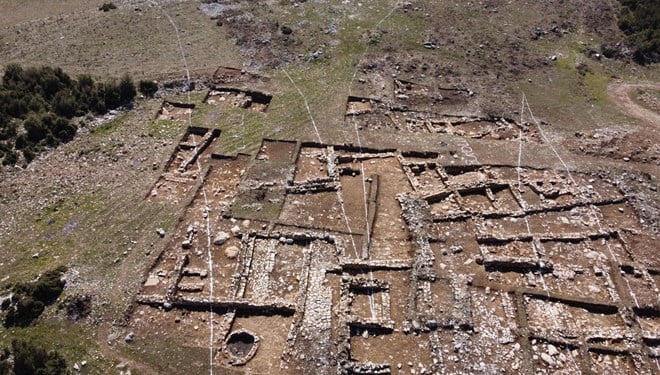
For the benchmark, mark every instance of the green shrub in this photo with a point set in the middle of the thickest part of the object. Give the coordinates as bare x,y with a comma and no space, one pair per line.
64,104
10,158
5,366
42,88
44,99
28,154
47,126
30,299
148,88
31,359
127,90
24,311
106,7
640,21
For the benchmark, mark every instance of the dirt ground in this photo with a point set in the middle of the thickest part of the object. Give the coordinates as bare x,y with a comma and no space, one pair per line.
622,95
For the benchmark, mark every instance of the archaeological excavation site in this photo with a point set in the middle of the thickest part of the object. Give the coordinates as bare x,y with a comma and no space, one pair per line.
309,257
331,187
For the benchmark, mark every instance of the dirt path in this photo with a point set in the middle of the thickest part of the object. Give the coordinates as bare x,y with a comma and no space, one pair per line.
620,94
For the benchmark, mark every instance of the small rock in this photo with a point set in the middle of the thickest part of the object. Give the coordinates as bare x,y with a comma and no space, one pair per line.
552,350
129,338
235,230
160,232
220,238
231,252
547,359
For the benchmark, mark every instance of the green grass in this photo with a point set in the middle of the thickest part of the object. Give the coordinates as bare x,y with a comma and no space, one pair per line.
51,234
596,87
165,128
110,126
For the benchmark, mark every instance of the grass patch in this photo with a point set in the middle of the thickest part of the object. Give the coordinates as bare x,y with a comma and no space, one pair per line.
110,126
596,86
164,128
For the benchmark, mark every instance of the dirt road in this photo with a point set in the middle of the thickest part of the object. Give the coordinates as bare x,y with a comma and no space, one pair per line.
620,94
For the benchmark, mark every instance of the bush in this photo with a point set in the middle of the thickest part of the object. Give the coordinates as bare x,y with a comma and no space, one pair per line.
106,7
44,99
65,104
49,127
31,359
110,93
28,154
148,88
30,299
24,311
11,158
640,21
126,89
8,131
5,366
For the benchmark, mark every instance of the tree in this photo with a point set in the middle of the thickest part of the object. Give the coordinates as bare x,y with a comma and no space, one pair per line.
148,88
